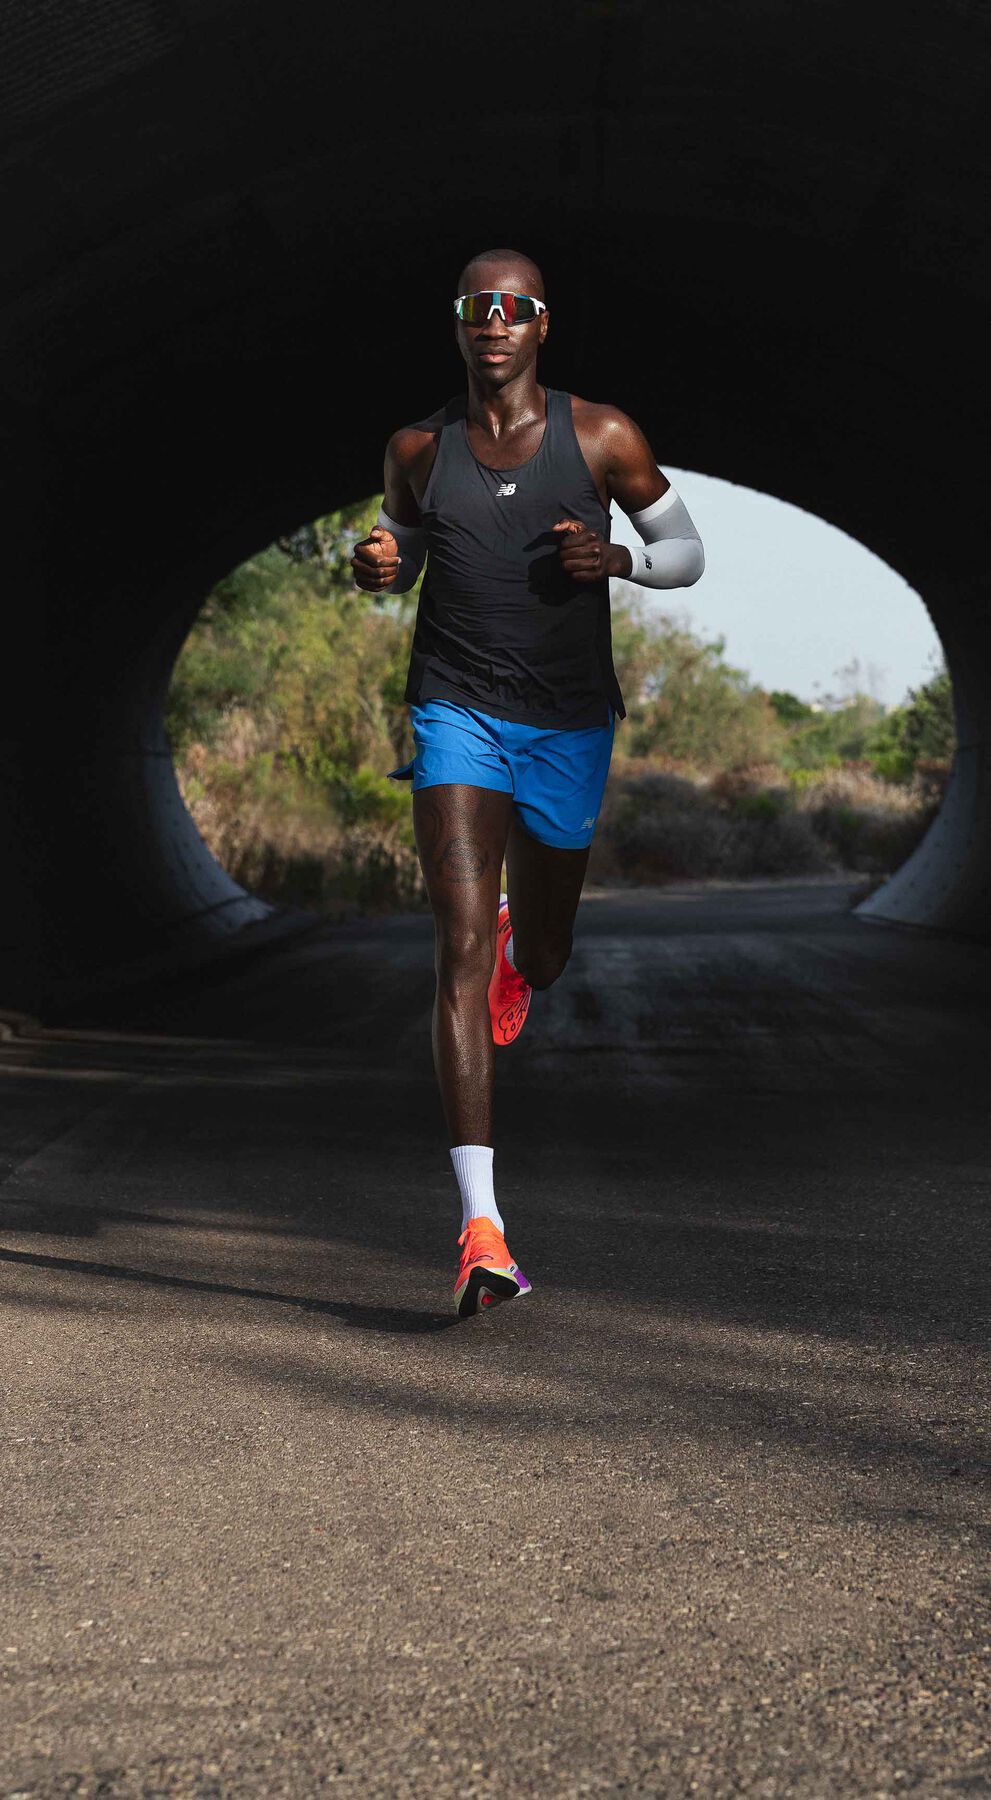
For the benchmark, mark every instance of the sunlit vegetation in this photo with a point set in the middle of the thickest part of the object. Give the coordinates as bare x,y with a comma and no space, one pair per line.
286,713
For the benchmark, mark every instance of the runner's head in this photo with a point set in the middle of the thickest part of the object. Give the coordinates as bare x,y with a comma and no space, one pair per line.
497,352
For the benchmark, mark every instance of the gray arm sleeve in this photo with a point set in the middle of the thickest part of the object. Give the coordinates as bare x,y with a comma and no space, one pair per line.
412,542
672,553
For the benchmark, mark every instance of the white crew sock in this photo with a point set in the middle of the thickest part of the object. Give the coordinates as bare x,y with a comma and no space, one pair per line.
473,1168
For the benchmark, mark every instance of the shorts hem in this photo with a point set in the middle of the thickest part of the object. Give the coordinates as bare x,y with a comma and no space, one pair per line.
468,779
556,841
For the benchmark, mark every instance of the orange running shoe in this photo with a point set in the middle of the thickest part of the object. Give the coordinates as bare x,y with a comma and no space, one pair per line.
509,994
488,1274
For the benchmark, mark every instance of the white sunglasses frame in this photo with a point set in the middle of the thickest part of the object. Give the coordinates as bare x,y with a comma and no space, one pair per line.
539,304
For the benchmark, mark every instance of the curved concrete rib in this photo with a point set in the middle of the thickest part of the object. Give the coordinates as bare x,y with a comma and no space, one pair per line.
946,884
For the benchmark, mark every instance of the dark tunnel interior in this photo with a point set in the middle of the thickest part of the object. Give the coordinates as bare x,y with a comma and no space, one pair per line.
231,239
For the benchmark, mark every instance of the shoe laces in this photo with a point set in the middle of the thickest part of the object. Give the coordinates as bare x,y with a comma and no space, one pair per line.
484,1229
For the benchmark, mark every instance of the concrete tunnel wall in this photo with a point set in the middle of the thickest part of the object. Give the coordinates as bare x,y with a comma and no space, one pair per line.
231,234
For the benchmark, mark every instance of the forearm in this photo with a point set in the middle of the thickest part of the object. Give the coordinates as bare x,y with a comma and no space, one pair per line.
671,554
412,543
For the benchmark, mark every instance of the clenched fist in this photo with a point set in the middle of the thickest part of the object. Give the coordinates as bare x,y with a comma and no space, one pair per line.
375,561
586,556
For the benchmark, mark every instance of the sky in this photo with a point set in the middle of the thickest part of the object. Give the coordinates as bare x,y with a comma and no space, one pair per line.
795,599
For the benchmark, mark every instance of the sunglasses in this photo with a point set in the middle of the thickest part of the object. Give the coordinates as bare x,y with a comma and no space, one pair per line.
515,309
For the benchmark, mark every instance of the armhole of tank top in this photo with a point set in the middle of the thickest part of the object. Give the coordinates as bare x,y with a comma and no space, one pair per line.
579,452
449,418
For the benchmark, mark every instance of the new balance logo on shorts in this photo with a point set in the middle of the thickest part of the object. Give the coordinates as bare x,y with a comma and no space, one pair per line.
587,822
508,487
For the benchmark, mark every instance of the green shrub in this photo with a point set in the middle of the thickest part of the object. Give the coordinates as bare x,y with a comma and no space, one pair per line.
766,803
365,798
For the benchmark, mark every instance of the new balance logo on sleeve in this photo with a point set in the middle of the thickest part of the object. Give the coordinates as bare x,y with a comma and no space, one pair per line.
508,487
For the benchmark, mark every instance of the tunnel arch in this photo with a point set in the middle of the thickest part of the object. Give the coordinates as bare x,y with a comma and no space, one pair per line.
772,256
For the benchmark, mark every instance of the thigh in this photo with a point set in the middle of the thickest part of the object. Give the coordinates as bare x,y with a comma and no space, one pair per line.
461,841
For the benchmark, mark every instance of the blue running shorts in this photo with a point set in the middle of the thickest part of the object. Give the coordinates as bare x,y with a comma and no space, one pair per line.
556,777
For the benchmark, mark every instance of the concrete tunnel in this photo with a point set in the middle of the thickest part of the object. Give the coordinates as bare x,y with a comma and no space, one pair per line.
231,235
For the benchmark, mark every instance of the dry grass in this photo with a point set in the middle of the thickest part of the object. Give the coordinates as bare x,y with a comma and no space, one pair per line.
287,843
664,823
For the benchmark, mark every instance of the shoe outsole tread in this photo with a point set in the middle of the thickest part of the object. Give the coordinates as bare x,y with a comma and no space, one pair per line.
485,1288
507,1020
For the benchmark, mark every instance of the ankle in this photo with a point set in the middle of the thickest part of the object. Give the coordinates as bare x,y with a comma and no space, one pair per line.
473,1169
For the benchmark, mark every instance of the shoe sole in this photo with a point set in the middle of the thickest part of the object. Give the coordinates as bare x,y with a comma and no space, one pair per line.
486,1288
501,1038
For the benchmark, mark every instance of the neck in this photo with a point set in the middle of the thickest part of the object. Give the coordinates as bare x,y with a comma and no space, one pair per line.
507,406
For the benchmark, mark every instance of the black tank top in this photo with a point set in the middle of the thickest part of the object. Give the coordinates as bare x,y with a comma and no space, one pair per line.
500,626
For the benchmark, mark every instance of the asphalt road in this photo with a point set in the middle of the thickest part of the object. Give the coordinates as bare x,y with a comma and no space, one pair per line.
707,1514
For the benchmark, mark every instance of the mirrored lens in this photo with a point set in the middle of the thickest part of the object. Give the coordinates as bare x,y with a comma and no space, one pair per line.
523,308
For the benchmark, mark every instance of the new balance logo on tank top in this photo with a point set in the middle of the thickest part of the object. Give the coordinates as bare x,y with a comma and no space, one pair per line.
500,626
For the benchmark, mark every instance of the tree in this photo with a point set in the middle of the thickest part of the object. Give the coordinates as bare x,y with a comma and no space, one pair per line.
318,665
838,732
923,731
684,700
789,708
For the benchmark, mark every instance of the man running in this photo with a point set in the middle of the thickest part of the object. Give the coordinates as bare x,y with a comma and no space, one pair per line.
512,690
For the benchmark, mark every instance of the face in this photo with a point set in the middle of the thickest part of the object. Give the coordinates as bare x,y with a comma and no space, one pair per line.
497,352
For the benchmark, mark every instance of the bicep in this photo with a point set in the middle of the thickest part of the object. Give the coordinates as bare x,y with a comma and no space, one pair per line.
399,501
633,478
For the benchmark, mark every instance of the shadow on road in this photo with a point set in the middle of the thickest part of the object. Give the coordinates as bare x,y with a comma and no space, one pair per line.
368,1318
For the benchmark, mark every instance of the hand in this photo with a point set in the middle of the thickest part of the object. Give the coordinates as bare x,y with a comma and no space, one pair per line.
586,556
375,561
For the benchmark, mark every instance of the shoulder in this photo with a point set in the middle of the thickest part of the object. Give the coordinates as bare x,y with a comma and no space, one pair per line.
604,425
618,454
410,456
611,442
407,446
614,445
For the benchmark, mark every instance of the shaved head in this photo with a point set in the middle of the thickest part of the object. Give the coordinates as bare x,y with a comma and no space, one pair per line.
502,269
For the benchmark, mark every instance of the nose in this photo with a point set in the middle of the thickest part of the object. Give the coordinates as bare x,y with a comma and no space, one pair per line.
494,327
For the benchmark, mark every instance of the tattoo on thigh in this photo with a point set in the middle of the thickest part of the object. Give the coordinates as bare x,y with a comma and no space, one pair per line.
458,859
461,860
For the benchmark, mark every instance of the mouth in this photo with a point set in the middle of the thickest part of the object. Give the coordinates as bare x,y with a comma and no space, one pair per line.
494,356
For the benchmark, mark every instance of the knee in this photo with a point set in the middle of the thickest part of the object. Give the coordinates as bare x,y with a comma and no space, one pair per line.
546,965
465,954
